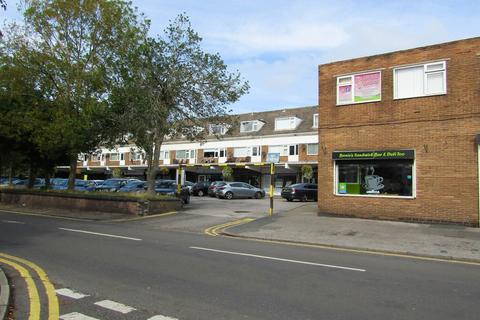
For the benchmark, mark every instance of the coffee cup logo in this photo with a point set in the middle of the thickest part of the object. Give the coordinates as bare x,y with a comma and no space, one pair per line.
373,183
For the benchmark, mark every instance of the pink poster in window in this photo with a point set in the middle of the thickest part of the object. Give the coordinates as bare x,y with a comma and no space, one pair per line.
367,87
345,93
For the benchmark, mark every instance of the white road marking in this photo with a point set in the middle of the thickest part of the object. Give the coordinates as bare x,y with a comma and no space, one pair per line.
13,221
101,234
115,306
280,259
161,318
76,316
70,293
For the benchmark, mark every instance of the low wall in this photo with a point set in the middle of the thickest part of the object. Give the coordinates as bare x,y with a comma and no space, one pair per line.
88,202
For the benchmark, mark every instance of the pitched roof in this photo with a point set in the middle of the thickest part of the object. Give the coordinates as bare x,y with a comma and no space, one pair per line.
305,114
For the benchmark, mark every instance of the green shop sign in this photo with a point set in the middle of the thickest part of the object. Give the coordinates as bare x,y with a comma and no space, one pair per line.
369,155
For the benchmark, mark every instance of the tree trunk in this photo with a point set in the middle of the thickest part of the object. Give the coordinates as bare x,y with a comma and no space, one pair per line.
31,177
153,164
73,173
47,180
10,172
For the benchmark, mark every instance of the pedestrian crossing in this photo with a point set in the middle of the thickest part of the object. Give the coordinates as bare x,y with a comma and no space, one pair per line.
117,309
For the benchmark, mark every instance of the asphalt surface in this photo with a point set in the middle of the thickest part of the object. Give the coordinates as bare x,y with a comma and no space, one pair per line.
166,266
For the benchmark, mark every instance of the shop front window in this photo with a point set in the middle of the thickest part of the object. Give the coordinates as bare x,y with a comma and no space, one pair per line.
375,177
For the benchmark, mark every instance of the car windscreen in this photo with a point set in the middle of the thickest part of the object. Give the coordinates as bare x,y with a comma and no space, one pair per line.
298,185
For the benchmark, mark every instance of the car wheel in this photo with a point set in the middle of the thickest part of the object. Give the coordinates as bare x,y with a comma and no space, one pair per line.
200,193
258,195
289,199
304,198
229,195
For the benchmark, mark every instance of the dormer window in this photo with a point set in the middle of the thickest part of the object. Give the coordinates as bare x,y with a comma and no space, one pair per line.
251,126
288,123
217,129
315,120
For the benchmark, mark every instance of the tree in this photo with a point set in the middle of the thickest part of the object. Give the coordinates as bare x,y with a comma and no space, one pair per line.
74,48
227,173
174,88
307,171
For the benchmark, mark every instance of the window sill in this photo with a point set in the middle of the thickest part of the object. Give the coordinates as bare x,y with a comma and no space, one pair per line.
355,103
424,96
375,196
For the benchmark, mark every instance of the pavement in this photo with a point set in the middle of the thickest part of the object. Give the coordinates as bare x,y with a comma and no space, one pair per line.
303,225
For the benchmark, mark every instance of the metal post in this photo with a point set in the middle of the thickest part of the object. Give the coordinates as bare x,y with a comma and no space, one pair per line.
179,179
272,184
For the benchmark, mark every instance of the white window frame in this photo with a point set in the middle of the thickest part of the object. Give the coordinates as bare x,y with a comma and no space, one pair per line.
352,83
312,154
315,121
254,123
222,151
137,156
223,129
117,156
164,155
247,154
189,154
256,154
414,185
295,150
215,152
292,123
425,73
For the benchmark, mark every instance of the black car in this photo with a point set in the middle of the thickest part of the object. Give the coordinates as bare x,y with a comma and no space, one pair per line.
300,191
201,188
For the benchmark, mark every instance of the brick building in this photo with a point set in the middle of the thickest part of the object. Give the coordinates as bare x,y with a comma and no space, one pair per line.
398,134
289,135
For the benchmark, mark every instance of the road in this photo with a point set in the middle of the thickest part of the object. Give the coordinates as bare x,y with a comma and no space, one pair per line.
168,272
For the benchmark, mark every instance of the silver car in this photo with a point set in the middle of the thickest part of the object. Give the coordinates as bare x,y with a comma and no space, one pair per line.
230,190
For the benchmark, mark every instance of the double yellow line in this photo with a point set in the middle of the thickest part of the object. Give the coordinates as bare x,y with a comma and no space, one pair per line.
217,230
22,266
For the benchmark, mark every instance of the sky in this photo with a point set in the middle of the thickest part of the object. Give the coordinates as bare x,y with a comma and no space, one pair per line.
277,45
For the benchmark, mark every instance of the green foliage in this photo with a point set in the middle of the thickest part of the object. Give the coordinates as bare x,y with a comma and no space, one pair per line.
172,87
73,50
117,173
307,171
164,171
227,173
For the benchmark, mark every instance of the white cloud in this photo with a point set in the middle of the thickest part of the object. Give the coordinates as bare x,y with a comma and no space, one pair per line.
258,38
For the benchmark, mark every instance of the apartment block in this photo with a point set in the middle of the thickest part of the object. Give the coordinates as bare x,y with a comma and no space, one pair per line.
288,138
399,135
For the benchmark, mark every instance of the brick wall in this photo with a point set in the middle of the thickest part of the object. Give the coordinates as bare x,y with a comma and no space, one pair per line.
441,129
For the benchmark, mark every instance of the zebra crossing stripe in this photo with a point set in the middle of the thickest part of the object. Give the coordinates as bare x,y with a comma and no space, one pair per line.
76,316
114,306
70,293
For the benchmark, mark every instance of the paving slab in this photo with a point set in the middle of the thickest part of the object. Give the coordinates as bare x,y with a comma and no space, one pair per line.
303,225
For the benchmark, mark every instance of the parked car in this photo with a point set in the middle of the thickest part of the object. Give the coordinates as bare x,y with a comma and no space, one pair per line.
201,188
189,186
62,184
169,187
230,190
213,187
300,191
134,186
113,185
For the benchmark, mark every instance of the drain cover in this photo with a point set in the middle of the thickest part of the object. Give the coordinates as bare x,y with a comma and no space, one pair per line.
241,211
